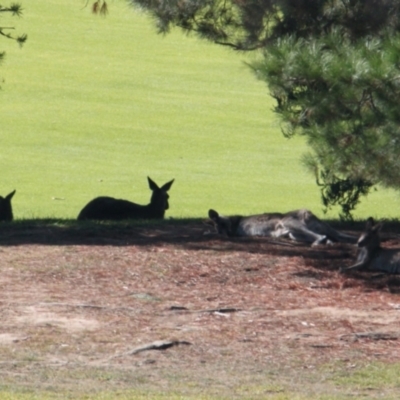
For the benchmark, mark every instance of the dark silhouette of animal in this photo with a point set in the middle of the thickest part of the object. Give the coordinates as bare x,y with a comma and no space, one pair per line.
6,213
371,256
299,225
109,208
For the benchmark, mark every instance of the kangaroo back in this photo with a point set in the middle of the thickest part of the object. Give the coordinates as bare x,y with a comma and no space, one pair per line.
299,225
109,208
6,213
254,225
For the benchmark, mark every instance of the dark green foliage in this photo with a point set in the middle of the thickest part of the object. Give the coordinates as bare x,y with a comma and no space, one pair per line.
344,98
15,10
252,24
333,67
343,192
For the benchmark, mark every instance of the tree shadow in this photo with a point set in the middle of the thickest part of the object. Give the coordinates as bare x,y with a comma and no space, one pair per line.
197,235
192,233
189,234
122,233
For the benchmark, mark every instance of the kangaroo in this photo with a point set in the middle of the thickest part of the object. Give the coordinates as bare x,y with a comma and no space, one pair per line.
109,208
6,213
371,256
299,225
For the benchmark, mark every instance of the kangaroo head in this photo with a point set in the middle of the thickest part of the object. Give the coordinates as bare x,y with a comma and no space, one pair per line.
159,198
370,237
223,225
6,208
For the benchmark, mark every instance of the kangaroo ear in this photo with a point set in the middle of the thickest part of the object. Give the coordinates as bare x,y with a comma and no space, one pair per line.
167,186
213,215
370,223
152,185
10,195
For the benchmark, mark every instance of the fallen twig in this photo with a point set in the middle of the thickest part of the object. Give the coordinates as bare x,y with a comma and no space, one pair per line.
321,346
84,305
371,335
224,310
157,345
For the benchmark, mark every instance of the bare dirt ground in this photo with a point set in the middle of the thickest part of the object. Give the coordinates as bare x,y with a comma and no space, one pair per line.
85,308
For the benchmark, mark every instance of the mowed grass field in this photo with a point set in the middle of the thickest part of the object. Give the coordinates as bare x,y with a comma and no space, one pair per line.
91,106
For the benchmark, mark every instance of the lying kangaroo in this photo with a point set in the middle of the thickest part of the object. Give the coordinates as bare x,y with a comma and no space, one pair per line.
299,225
108,208
371,256
6,213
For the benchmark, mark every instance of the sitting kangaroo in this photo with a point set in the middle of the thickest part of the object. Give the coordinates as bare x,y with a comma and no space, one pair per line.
6,213
371,256
108,208
299,225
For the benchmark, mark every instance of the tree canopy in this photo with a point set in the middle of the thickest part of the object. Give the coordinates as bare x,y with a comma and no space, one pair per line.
6,31
333,67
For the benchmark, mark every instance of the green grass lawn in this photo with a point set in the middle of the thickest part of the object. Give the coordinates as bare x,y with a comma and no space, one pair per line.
92,105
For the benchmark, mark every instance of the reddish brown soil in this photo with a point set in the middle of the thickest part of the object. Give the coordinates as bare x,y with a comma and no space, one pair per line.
238,310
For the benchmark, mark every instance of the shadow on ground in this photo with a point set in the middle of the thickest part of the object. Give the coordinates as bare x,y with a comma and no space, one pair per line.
182,232
196,234
190,234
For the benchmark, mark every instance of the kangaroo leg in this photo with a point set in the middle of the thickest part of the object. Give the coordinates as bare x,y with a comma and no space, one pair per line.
314,224
299,231
357,266
363,260
305,237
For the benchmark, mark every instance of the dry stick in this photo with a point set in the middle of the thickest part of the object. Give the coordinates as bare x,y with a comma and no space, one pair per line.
223,310
173,308
219,310
157,345
372,335
83,305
